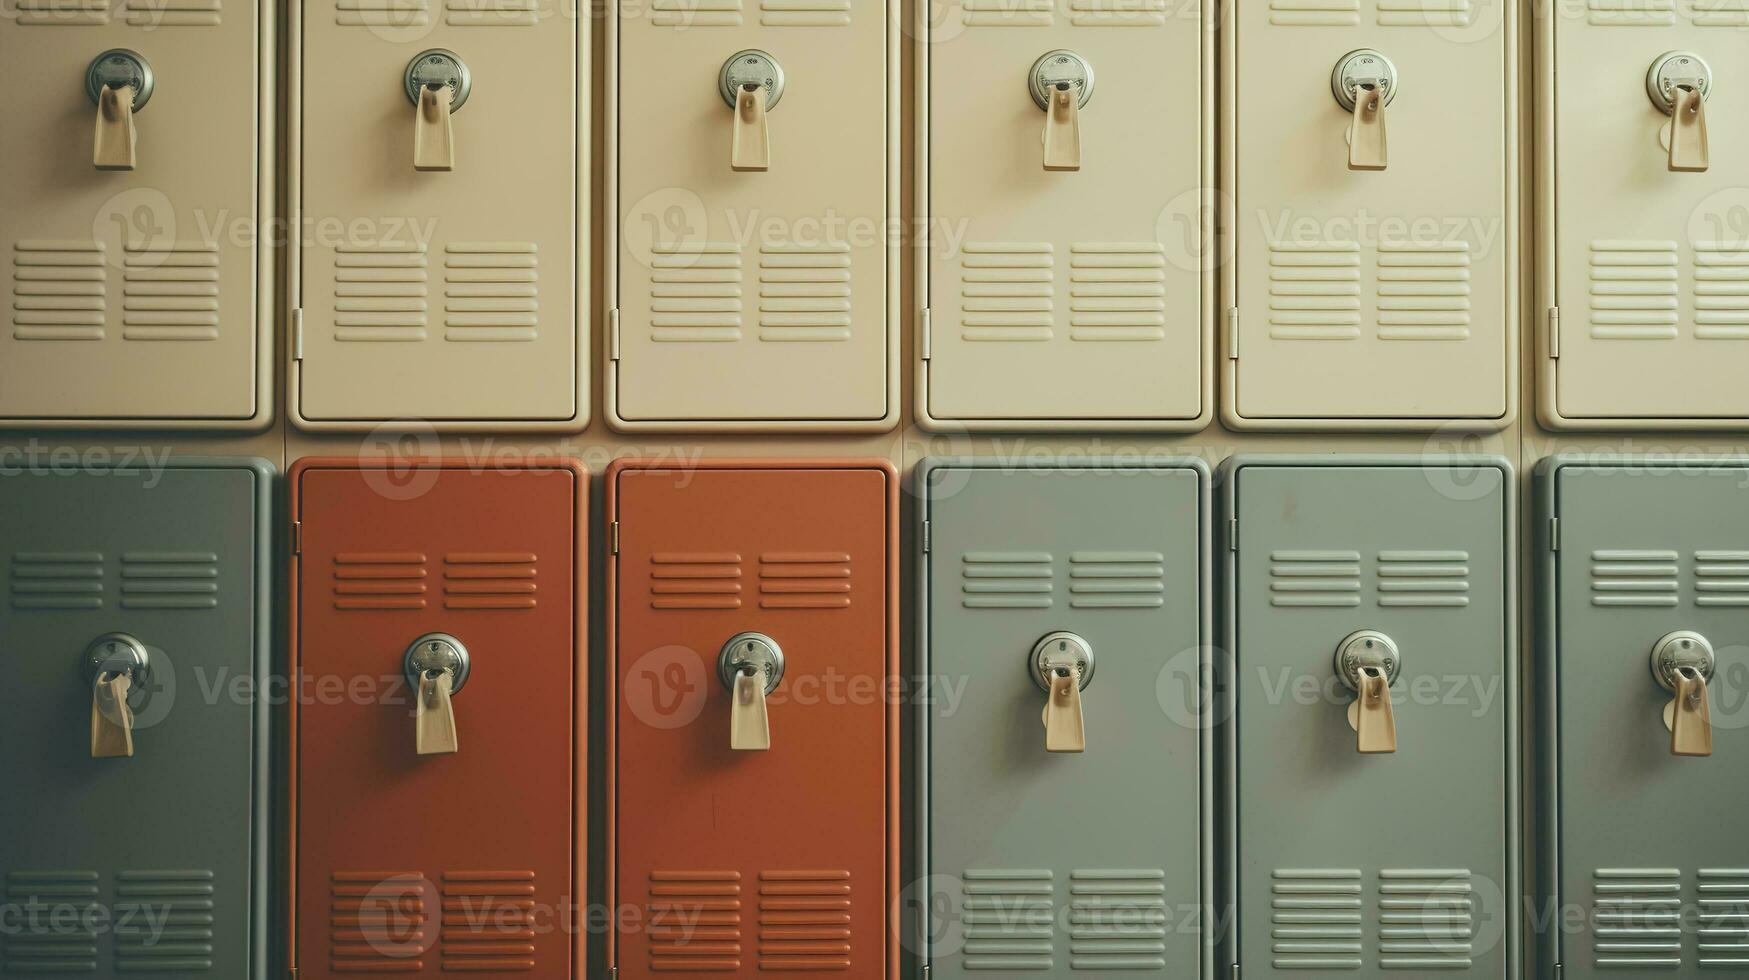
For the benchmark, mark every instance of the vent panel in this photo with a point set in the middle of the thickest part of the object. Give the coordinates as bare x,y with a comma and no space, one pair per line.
695,292
695,921
1314,13
1117,13
489,580
382,13
805,13
380,291
1008,919
1426,919
491,13
1007,13
488,922
169,580
58,287
60,940
1721,578
171,293
1426,13
1724,918
804,920
62,13
379,580
1006,580
45,580
1631,13
1117,291
491,291
1315,919
1117,919
1424,578
695,580
1117,580
380,922
804,580
1633,290
1638,916
1314,578
1006,291
1314,291
1721,289
1633,578
181,903
1720,13
696,13
1424,290
804,290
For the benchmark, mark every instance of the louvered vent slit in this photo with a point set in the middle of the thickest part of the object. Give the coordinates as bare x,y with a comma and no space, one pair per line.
1720,13
171,293
1424,291
788,944
1631,13
169,580
696,13
805,13
379,580
491,292
1315,918
379,921
804,292
1007,13
1117,580
695,580
1638,915
1426,13
1006,580
1724,918
61,938
173,13
164,921
382,13
1622,577
62,13
695,921
58,287
489,580
1314,578
1118,13
1721,578
1117,919
1424,578
1721,290
491,13
695,292
488,922
1006,291
804,580
1314,291
1009,919
1117,291
1633,290
46,580
1426,919
1314,13
380,291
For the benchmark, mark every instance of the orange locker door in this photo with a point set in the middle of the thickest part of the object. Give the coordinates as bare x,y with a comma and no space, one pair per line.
411,858
743,848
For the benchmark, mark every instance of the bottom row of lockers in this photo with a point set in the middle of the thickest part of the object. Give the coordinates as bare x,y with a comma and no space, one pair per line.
1125,763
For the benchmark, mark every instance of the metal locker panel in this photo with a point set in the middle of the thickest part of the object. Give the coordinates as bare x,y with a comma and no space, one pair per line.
1061,865
1647,548
138,297
1645,265
454,296
431,863
747,862
1350,855
1383,297
154,862
1067,298
753,298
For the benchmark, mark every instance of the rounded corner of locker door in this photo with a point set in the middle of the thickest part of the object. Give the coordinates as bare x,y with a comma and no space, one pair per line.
1375,260
439,634
1077,595
1650,655
131,211
1067,280
132,592
754,634
1375,719
442,259
754,190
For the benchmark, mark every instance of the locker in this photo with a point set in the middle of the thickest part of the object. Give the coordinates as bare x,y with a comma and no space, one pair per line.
439,753
1072,292
439,190
1642,266
133,206
1371,155
753,227
1091,856
1642,588
753,624
134,838
1372,751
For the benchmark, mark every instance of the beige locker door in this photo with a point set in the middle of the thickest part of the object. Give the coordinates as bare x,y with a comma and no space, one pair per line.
1065,296
1651,267
133,295
1373,296
753,297
447,296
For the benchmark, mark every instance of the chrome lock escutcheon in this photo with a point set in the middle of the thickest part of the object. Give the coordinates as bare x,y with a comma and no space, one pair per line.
1366,650
1674,70
439,68
751,69
436,653
1362,68
750,653
1059,69
1058,654
1683,650
119,654
120,68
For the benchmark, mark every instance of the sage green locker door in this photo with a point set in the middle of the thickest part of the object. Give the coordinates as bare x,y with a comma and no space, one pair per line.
1055,864
144,865
1651,843
1386,865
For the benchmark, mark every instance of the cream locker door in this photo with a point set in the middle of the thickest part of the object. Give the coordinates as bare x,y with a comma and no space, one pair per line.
753,298
1372,297
1066,297
445,295
135,297
1650,266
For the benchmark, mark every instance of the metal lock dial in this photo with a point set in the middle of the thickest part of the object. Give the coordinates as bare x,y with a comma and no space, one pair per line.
1683,649
1677,69
751,68
750,652
1362,67
1365,649
119,653
437,652
120,68
1058,68
439,67
1061,651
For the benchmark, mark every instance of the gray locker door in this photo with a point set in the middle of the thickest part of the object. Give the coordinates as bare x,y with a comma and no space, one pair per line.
141,865
1381,864
1651,844
1051,864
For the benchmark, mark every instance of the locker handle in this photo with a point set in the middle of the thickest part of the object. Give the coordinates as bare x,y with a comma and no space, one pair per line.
749,723
1371,715
116,139
1062,135
750,148
1065,728
1691,722
1366,130
434,719
433,133
1688,135
112,718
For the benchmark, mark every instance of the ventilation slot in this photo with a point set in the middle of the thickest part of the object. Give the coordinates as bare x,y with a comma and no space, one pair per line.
792,935
1721,290
1007,13
695,921
1314,13
377,580
696,13
805,13
58,286
1633,578
491,13
380,922
1426,919
380,292
491,292
1009,919
61,937
1639,918
171,293
1314,578
57,580
1426,13
173,13
489,580
695,581
1721,578
1315,919
164,921
695,292
804,580
169,580
1006,291
488,922
1633,290
1724,918
1117,291
1424,291
804,291
1314,291
1117,580
1424,578
62,13
1631,13
382,13
1117,920
1720,13
1006,580
1118,13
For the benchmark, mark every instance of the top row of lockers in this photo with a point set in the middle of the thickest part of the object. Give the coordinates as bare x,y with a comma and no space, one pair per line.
1086,253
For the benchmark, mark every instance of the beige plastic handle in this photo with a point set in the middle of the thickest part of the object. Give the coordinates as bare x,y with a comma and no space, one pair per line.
1065,730
749,725
1690,717
1062,135
112,719
1371,715
751,149
434,718
433,134
1366,133
1688,142
113,147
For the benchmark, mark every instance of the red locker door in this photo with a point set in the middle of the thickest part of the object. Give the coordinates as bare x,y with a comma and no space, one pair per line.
748,862
438,863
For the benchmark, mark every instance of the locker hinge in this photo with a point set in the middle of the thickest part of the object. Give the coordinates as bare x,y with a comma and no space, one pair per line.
613,537
613,334
1554,534
1235,971
613,973
1554,331
923,332
1232,534
1233,333
297,332
926,537
297,537
926,973
1560,971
